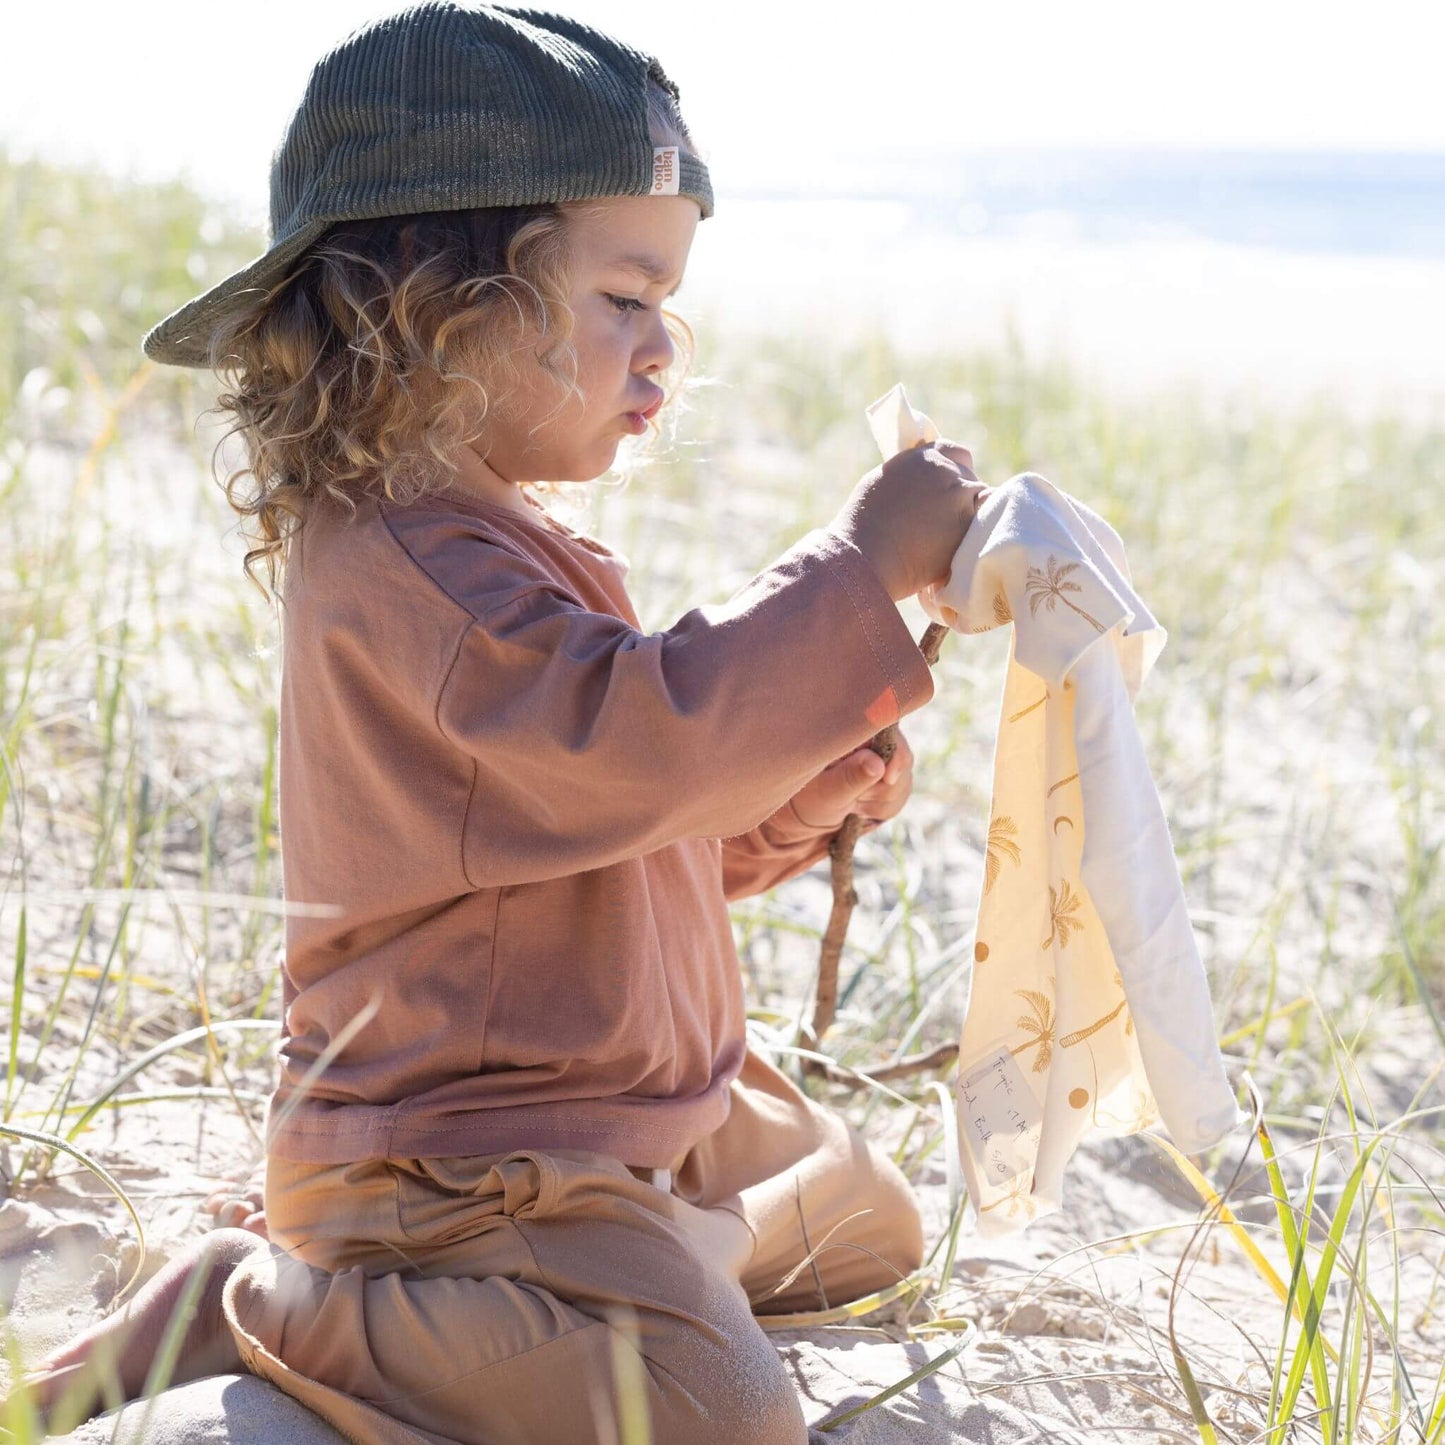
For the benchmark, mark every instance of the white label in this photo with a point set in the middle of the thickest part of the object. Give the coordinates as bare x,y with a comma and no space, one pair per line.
665,171
999,1116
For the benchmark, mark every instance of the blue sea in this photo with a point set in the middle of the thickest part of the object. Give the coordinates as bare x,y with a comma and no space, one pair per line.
1344,203
1261,272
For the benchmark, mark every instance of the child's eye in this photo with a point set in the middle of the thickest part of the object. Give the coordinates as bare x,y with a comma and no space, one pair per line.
626,303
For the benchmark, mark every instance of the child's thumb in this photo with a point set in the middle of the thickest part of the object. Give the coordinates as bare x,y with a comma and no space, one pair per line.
867,767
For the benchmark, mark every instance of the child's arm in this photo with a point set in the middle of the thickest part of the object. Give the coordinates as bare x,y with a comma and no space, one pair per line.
594,742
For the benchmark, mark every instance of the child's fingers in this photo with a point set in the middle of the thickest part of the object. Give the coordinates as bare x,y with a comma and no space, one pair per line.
960,456
901,762
864,766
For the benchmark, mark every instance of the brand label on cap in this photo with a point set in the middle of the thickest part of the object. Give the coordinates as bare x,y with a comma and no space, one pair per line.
665,170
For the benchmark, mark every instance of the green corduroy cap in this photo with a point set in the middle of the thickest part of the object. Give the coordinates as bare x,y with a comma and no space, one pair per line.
445,106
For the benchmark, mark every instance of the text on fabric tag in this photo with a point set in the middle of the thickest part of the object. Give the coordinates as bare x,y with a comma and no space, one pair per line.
1000,1115
665,171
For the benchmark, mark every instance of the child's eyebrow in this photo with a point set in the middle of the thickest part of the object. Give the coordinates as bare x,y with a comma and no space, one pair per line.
645,265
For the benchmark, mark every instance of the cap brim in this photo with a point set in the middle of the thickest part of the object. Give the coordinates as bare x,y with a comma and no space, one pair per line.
184,337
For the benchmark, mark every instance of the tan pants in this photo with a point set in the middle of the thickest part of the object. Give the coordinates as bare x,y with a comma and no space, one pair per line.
501,1299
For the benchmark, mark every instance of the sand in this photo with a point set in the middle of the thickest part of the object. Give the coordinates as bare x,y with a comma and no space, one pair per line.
1070,1337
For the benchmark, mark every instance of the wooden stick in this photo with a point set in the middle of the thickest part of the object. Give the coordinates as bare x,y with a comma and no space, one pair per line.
845,896
912,1064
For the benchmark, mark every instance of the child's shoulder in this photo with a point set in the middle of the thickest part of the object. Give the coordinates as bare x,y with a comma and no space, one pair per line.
524,522
456,551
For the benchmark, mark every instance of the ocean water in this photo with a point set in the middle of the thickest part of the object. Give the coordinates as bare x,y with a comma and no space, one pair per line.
1320,202
1273,275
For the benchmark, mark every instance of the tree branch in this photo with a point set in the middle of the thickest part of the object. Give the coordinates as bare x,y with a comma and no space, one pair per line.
845,896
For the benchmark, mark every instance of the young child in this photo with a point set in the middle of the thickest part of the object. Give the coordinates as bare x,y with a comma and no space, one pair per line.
520,1149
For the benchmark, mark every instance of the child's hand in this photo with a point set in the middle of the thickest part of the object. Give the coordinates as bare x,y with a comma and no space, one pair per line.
857,783
909,516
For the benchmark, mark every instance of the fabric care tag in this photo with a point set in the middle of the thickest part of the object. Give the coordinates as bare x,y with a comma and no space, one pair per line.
1000,1116
665,171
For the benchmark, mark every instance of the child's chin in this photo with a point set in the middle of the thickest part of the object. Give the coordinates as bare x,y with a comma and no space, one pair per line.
596,464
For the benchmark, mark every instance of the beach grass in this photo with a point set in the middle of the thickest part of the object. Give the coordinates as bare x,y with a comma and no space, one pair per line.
1295,557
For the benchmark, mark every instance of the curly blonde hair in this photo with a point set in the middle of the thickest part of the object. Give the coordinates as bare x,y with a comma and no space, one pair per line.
358,374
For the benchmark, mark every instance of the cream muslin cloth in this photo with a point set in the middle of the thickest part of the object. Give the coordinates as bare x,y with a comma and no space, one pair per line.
1089,1006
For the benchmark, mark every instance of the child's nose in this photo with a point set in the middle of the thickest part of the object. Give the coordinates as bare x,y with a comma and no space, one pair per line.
655,350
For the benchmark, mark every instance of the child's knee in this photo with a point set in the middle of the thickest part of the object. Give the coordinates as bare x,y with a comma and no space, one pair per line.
899,1220
741,1397
890,1236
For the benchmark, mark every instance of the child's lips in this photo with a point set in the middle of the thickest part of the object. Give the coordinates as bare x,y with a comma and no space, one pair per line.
649,411
636,421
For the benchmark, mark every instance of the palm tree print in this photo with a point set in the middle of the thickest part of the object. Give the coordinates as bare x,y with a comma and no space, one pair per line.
1000,838
1014,1198
1079,1035
1128,1016
1060,784
1039,1022
1062,905
1001,611
1143,1111
1045,589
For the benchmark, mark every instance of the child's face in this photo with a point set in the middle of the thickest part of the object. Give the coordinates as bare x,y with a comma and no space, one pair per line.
619,337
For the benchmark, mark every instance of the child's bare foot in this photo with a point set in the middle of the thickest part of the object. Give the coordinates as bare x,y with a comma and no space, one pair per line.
241,1204
108,1363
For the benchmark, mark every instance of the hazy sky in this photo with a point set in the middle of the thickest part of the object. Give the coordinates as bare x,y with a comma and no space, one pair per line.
770,87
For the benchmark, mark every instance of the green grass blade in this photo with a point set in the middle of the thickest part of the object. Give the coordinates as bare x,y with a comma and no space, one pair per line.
180,1041
932,1367
1282,1403
1194,1396
17,1002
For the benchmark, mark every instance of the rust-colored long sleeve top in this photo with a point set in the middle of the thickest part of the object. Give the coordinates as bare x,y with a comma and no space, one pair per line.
528,816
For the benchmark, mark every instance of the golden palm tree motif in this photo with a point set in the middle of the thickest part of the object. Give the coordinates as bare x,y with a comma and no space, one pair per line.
1128,1016
1079,1035
1138,1112
1014,1198
1045,589
1001,611
1040,1023
1025,711
1056,786
1143,1112
1061,905
1000,837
